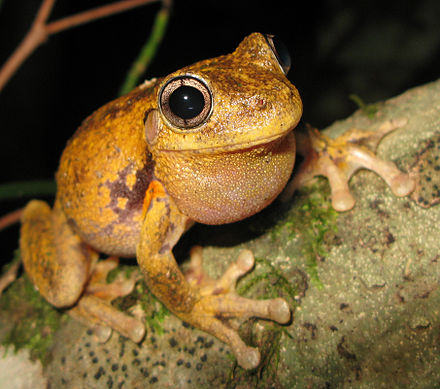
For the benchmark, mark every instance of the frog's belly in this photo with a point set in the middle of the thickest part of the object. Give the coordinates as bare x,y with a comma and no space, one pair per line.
106,214
104,206
118,237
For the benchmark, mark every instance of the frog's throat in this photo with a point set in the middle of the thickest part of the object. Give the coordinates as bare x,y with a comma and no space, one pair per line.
223,187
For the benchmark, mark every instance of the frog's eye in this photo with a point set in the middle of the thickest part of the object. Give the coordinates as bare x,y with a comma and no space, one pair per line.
185,102
281,53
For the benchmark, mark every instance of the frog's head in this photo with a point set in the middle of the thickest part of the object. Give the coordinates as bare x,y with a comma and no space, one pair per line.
219,131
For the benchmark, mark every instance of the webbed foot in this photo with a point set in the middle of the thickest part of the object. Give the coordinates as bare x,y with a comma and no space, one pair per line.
219,302
338,159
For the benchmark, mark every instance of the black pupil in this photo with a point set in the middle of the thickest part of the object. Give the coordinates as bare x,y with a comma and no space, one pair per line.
186,102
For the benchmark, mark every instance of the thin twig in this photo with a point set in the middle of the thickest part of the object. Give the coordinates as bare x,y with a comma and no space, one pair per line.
94,14
9,276
40,31
35,36
44,11
149,49
10,218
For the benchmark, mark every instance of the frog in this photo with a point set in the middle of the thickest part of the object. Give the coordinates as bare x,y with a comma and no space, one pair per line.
210,143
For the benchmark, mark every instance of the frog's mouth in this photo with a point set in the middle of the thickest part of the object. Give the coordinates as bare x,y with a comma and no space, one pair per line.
262,141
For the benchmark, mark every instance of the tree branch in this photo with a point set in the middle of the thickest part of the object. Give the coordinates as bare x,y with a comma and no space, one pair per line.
40,31
94,14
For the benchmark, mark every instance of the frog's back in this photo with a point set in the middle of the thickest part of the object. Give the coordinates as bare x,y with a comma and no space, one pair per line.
104,173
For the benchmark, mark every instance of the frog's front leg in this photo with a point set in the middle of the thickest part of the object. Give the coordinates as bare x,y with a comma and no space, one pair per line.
198,300
66,272
338,159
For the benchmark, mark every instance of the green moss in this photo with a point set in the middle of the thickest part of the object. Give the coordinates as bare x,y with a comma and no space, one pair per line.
155,311
368,109
312,219
265,375
266,281
34,321
319,219
127,270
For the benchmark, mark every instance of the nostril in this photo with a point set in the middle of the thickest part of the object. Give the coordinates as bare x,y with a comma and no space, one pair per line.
259,102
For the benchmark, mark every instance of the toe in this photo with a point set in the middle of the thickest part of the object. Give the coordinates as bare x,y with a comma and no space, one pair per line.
245,261
248,358
102,333
342,201
195,274
279,310
402,185
237,269
98,312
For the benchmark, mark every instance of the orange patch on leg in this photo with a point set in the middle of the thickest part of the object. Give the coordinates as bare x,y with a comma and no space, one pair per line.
155,189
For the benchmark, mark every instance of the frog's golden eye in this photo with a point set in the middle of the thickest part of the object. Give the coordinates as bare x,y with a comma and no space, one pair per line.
185,102
280,50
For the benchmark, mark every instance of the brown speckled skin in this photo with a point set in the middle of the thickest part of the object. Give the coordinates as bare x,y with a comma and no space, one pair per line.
104,173
126,188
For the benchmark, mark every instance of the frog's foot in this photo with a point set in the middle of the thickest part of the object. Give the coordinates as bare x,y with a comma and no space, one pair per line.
219,303
94,307
338,159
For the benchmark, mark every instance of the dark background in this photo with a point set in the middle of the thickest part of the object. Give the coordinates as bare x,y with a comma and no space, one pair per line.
374,49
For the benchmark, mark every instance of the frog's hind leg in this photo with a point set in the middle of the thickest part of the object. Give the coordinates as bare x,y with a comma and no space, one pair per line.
94,307
55,259
66,272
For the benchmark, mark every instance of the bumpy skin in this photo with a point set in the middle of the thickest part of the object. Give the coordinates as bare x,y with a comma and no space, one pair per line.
130,183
